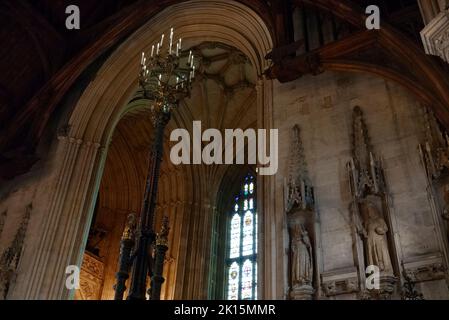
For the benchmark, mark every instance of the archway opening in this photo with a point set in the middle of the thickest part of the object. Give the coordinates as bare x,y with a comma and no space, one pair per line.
223,97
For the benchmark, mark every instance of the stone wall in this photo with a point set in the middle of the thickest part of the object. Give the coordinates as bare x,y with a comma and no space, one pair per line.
322,107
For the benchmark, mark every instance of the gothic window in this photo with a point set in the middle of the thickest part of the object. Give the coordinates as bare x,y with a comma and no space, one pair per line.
242,244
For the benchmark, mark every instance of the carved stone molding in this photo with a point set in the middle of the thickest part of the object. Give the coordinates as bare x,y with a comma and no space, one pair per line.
340,282
435,36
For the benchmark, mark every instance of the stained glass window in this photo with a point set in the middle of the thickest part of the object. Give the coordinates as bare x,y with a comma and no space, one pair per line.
242,253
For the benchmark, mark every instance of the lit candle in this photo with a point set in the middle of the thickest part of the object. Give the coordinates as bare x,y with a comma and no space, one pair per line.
157,49
193,72
177,49
141,60
190,57
152,50
180,43
171,41
162,40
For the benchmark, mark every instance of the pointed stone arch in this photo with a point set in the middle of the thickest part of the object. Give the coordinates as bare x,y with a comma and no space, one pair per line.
82,151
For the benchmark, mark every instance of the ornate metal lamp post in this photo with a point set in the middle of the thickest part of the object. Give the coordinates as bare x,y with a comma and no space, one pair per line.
165,78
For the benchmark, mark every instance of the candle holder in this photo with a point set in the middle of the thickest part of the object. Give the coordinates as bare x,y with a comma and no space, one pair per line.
165,77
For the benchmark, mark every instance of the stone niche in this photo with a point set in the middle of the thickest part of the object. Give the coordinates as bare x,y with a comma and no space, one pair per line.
301,220
434,153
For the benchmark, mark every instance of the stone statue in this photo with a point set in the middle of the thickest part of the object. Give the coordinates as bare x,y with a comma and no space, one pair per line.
301,250
377,245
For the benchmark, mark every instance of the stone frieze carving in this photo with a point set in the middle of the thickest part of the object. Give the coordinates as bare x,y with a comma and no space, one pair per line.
434,271
425,268
340,282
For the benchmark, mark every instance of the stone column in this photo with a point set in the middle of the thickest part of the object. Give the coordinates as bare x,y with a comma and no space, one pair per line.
64,232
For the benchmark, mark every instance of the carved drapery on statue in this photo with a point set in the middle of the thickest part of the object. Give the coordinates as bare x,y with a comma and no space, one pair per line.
434,153
377,244
371,225
302,260
301,216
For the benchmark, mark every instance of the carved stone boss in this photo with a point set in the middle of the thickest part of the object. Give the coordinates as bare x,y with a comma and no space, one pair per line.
299,207
371,224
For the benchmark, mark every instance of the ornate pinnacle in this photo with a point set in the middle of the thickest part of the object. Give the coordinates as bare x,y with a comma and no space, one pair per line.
130,228
162,236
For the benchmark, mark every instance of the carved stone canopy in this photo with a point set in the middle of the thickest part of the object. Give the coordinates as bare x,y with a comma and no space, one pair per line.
298,188
366,174
434,150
